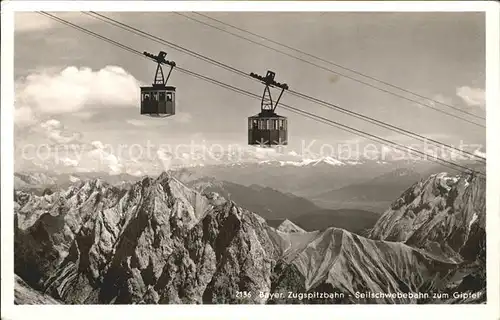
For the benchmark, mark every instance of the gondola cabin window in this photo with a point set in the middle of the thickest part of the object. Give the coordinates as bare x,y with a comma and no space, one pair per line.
282,124
253,124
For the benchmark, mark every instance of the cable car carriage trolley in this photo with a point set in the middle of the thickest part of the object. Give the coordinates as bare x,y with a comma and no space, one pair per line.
267,128
158,100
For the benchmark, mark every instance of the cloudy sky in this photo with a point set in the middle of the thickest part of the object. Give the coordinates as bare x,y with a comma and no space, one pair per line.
72,88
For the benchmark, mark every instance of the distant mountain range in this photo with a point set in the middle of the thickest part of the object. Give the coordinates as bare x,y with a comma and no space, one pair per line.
374,194
271,204
307,179
355,207
200,156
39,180
277,207
304,175
267,202
158,241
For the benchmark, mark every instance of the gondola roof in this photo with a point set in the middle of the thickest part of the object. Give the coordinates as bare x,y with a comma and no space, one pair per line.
267,114
158,87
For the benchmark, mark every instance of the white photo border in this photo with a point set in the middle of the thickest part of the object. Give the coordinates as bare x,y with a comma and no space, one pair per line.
486,311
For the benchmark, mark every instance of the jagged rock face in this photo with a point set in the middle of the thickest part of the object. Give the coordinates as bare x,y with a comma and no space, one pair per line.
24,294
157,241
444,215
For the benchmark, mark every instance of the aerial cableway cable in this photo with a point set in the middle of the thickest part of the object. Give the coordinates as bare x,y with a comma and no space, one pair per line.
170,44
372,137
344,75
306,97
337,65
394,128
229,68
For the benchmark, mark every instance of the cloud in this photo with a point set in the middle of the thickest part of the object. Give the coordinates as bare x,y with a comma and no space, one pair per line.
49,135
85,115
69,162
51,124
474,97
182,117
137,123
72,90
165,158
24,116
111,159
99,158
57,133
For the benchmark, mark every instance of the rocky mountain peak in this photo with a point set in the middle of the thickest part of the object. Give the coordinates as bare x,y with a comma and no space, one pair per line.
289,227
442,214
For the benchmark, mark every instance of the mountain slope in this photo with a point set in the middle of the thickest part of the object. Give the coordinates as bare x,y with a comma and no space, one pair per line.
303,181
376,193
445,216
24,294
277,207
158,241
353,220
348,267
266,202
289,227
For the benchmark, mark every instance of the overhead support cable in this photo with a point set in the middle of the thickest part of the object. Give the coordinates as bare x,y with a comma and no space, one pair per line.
337,65
358,132
317,101
343,75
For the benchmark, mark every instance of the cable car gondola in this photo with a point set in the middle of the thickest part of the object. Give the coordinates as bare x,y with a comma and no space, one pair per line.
158,100
267,128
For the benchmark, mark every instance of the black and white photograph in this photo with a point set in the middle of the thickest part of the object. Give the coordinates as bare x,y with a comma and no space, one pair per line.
212,157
